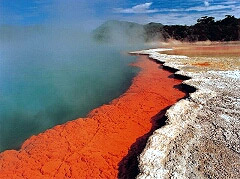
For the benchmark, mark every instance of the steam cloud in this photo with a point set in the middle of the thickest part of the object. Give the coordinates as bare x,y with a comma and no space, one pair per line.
54,72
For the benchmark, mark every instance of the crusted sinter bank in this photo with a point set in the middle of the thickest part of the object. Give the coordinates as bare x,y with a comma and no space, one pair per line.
202,135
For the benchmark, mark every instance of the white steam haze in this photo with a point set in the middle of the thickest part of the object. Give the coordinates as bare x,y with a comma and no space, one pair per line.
53,71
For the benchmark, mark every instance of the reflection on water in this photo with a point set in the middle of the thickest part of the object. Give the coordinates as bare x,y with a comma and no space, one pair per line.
50,76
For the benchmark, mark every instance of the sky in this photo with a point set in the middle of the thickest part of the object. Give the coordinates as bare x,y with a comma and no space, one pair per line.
91,13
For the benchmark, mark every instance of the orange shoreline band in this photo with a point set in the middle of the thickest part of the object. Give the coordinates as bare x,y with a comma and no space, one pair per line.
101,145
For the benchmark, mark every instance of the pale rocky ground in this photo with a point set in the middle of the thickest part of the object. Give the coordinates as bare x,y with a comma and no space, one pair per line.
202,135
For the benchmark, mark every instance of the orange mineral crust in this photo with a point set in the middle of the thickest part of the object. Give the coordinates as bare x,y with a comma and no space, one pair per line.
104,144
202,64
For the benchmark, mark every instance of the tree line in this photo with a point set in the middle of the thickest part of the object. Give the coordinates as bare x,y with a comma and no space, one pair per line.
206,28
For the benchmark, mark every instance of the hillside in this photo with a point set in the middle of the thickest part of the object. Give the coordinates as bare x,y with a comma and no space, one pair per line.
206,28
113,30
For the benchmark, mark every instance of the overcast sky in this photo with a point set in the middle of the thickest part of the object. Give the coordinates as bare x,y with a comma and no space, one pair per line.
91,13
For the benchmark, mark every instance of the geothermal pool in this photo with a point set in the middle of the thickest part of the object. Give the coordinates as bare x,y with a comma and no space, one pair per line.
49,76
107,143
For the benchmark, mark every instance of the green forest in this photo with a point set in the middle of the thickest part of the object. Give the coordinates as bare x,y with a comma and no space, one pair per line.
206,28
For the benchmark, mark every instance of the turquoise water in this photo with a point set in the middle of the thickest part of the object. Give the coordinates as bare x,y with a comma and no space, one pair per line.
48,77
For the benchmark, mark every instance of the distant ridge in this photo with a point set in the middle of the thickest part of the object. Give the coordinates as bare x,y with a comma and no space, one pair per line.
206,28
118,30
130,31
154,31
